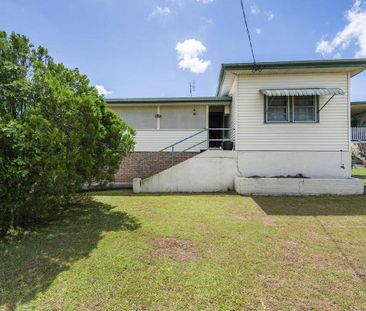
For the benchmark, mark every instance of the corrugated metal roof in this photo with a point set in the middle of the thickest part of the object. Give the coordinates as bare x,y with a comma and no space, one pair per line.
302,92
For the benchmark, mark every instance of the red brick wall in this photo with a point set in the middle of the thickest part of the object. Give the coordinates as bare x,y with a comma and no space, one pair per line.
154,162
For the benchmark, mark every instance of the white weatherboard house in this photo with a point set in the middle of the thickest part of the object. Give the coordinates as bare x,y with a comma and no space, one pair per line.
285,128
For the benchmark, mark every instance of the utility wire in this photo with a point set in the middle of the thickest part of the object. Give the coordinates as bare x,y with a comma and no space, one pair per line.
248,32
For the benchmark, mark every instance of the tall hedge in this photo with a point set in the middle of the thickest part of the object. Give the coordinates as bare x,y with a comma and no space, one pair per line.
56,133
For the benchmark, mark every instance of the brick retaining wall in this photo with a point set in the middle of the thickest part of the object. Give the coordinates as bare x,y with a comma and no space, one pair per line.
153,164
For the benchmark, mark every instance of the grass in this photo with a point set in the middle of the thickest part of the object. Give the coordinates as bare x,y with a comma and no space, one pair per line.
359,173
191,252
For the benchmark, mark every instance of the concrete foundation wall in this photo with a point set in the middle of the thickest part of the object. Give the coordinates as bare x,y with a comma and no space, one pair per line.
219,171
284,163
211,171
298,186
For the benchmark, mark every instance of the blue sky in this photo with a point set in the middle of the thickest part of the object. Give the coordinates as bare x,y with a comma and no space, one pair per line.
141,48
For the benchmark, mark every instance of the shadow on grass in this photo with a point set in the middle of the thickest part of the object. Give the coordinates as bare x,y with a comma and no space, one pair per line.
30,261
313,206
362,177
130,193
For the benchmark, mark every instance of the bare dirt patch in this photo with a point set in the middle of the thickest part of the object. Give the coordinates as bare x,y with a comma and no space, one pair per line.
205,229
293,250
289,300
174,248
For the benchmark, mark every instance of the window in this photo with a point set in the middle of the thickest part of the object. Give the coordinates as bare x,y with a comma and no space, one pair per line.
277,109
182,117
304,108
297,109
141,118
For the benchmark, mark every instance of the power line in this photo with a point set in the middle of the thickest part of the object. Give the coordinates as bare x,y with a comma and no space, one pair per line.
248,32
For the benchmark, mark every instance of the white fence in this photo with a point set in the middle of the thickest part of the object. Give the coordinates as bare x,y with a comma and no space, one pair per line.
359,133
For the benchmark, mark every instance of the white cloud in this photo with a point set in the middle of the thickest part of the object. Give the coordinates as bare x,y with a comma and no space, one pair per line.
254,10
353,32
258,31
160,11
205,1
102,90
270,16
208,20
189,53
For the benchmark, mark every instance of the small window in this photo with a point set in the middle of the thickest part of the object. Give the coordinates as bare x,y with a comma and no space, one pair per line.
277,109
304,108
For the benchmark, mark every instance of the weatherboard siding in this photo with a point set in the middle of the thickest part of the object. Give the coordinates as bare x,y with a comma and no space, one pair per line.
331,133
233,114
176,123
156,140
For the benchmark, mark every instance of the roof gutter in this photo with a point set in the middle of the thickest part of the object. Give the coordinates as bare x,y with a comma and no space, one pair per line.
217,99
358,103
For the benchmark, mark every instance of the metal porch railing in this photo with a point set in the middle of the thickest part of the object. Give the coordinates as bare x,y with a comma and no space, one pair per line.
358,133
175,153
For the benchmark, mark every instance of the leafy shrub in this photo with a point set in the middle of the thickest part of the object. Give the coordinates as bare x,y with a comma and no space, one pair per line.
56,133
356,151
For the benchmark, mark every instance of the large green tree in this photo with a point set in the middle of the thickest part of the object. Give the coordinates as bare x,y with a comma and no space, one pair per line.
56,133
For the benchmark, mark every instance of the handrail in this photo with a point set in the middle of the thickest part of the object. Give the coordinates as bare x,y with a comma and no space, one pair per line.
141,163
182,140
200,143
177,143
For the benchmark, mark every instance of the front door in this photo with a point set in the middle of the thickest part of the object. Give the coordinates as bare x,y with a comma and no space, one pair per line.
216,119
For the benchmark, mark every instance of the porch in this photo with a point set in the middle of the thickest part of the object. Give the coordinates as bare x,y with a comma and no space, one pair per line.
359,133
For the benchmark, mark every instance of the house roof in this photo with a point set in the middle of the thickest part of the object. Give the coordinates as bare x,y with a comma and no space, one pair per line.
358,103
228,71
168,100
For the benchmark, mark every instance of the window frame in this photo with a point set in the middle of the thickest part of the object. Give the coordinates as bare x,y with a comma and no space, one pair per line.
315,105
291,111
267,107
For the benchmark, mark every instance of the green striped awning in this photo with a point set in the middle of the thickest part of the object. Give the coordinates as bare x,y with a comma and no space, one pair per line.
302,92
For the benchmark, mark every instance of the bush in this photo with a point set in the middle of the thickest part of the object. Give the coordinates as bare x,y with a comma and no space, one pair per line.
356,152
56,133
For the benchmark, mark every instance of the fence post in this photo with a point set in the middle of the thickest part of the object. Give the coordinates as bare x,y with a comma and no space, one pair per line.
208,139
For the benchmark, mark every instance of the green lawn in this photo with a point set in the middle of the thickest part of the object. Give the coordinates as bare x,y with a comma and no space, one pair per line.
191,252
359,173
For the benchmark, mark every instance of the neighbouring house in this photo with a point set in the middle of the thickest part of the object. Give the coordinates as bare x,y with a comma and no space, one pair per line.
273,128
358,121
